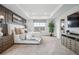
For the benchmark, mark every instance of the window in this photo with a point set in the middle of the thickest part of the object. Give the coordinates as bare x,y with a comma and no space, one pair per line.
39,25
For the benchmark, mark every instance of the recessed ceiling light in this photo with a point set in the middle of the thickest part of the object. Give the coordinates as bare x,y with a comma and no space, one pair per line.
45,13
33,13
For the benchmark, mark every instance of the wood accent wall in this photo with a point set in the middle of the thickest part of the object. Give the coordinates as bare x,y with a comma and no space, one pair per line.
8,15
7,40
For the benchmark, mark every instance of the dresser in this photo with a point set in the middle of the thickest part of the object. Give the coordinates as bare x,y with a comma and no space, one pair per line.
6,42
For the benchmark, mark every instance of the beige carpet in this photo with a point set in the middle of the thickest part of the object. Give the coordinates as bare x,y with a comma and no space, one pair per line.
49,46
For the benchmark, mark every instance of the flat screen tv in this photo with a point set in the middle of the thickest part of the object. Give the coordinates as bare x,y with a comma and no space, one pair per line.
73,21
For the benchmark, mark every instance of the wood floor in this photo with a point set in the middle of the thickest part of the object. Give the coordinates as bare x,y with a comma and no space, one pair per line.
49,46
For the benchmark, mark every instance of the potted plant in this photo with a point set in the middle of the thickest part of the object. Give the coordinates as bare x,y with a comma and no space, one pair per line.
51,28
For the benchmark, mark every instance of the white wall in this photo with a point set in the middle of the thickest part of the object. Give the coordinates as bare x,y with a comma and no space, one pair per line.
64,16
30,27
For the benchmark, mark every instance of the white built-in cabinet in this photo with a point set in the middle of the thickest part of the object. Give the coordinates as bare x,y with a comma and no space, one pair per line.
71,42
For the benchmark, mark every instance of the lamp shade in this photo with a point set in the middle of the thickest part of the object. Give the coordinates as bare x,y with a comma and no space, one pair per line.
1,17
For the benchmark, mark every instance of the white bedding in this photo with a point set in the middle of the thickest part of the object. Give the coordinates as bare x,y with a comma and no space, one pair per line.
30,38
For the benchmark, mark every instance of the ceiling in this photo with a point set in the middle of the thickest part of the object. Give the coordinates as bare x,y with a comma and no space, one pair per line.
38,11
33,10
